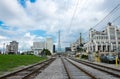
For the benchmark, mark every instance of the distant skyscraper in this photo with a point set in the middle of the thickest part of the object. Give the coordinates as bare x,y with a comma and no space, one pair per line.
53,48
59,45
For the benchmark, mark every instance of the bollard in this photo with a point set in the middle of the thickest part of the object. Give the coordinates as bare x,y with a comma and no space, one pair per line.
116,61
99,59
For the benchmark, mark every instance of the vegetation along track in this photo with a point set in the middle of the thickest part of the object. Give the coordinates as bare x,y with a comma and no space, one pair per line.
29,72
112,71
73,71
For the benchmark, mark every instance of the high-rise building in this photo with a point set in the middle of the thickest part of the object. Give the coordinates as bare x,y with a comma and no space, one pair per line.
49,44
12,48
54,49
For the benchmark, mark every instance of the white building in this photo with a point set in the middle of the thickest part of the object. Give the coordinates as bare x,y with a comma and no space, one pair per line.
49,44
38,47
76,44
105,41
12,47
73,47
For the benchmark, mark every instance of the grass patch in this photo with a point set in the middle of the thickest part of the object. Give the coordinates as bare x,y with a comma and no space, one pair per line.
8,62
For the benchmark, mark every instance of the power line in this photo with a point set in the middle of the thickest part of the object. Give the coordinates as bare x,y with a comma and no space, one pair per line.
113,10
73,14
107,15
116,19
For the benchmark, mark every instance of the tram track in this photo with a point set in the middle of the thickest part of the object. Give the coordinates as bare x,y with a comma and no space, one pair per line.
105,69
28,72
73,71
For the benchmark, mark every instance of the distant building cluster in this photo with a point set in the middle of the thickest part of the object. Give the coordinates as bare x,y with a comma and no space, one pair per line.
39,46
77,44
36,49
12,48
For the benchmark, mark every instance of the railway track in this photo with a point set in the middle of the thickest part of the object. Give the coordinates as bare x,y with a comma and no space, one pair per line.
73,71
29,72
105,69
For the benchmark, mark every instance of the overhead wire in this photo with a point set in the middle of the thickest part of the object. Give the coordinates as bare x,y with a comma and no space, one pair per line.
107,16
112,17
74,12
83,2
116,19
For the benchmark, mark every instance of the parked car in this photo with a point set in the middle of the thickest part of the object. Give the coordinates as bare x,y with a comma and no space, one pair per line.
111,59
108,59
103,58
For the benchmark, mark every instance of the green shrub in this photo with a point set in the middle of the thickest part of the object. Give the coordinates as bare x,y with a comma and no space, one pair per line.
77,55
84,56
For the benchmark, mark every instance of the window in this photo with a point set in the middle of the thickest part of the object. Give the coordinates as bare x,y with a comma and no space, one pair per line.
118,42
113,42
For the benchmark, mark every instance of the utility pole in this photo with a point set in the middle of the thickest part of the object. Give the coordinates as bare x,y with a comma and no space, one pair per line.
80,39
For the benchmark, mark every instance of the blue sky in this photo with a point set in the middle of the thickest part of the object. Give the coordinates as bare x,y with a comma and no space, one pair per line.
30,20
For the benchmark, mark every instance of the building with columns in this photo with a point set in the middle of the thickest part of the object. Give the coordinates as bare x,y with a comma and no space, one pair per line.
105,41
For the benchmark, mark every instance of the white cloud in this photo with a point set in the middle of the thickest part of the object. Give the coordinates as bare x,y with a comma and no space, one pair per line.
51,16
2,37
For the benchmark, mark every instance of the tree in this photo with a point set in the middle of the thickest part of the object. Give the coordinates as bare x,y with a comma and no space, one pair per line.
97,53
45,52
11,52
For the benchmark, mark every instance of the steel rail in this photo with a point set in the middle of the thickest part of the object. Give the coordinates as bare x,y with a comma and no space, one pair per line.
44,63
89,74
98,68
66,69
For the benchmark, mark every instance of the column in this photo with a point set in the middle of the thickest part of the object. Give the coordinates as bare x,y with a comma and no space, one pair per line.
116,37
106,47
111,46
96,47
92,47
101,47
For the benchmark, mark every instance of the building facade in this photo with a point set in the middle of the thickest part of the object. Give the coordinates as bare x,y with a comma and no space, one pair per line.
38,47
12,48
49,44
105,41
77,44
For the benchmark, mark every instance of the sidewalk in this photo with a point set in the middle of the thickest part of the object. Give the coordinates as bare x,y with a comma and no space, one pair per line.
106,64
109,65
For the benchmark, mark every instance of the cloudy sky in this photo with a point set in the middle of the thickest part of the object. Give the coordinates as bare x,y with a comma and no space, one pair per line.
34,20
